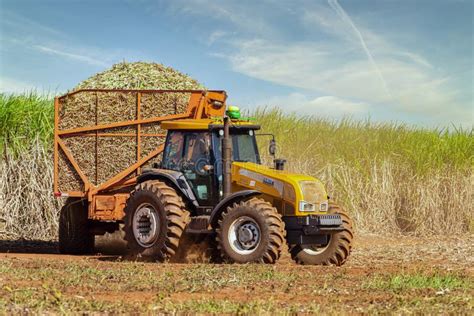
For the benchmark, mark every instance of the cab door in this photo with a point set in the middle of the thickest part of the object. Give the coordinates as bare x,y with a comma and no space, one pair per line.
190,153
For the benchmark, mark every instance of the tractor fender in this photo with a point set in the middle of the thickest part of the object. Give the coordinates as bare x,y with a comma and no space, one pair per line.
173,178
228,201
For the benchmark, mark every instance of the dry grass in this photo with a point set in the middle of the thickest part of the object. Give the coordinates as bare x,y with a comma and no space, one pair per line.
380,203
27,206
392,178
393,200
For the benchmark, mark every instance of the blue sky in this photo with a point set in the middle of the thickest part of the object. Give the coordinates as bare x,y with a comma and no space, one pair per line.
405,61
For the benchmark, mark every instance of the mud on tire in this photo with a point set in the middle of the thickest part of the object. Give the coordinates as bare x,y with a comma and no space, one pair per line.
270,227
75,236
338,249
170,218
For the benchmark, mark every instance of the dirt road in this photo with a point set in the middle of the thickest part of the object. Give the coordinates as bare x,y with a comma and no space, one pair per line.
405,274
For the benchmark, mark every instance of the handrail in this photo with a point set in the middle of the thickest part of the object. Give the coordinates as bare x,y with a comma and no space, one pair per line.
140,90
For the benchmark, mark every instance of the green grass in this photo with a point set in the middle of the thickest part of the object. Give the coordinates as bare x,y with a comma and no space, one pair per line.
422,280
360,143
24,119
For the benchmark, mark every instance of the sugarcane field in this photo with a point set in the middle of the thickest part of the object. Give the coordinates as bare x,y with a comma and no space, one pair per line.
207,157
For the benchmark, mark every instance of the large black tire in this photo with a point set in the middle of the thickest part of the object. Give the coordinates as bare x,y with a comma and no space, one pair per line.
337,250
75,236
254,215
171,220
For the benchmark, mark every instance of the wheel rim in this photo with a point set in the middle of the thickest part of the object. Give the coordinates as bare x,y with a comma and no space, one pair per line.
314,250
244,235
145,225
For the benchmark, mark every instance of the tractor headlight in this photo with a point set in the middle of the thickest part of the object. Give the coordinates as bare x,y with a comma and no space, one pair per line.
307,207
324,206
314,197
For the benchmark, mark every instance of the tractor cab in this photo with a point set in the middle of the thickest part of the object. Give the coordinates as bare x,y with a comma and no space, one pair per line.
194,148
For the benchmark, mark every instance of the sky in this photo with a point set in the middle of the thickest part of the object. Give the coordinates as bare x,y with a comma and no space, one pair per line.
406,61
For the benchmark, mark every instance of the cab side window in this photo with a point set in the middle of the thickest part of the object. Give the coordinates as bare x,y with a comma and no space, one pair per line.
174,151
190,153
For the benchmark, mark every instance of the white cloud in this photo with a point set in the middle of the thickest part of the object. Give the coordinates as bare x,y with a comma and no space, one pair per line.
243,18
334,106
8,85
27,25
19,31
356,63
215,36
340,57
319,69
83,58
324,106
416,59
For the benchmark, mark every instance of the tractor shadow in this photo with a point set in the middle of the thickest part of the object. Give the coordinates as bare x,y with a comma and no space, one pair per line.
28,246
109,246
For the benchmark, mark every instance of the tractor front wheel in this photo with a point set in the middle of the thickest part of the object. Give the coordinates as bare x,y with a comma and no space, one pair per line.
251,231
335,252
155,219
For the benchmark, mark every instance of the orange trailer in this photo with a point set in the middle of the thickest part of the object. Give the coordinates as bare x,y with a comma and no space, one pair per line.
106,197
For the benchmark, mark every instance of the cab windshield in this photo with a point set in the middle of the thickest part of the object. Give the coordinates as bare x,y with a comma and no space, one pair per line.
244,146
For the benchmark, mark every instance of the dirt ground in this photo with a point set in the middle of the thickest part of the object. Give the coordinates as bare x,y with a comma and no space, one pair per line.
400,275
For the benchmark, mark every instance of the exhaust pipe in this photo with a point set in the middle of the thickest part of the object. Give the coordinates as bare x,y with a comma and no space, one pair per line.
226,159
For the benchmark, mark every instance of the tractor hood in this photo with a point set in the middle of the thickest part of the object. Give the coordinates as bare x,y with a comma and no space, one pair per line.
306,194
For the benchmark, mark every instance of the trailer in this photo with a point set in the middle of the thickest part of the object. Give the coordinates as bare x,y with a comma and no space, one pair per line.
84,125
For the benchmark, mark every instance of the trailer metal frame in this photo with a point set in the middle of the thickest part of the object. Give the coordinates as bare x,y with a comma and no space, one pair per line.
104,205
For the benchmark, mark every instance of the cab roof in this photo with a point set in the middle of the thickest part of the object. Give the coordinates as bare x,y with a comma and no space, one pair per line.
205,124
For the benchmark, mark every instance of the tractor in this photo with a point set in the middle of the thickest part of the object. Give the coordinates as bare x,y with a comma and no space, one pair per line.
211,182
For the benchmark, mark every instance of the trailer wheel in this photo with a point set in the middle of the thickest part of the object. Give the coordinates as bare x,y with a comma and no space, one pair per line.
335,252
75,236
155,219
251,231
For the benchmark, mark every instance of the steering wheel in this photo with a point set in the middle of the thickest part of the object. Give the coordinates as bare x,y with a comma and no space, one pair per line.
200,166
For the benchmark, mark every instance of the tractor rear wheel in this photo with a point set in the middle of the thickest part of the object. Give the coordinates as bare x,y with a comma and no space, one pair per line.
335,252
75,236
155,219
251,231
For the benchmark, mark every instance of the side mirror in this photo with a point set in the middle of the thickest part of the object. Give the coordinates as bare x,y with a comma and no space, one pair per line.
272,147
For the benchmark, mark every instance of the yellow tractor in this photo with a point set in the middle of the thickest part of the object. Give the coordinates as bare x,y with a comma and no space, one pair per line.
218,185
211,182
